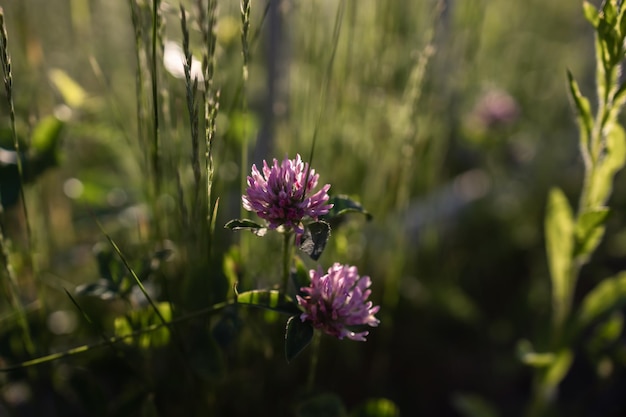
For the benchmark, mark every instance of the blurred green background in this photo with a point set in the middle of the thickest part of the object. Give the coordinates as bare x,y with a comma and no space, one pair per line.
448,120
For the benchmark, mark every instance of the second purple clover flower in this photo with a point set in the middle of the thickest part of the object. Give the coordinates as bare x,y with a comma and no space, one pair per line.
337,301
279,194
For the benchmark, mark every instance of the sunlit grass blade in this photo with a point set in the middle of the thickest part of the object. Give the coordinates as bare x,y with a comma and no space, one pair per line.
115,339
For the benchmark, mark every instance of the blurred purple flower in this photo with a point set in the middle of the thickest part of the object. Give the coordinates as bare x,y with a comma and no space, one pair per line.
496,108
338,300
278,194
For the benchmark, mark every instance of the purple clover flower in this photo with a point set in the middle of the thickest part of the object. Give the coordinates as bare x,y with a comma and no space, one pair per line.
278,194
337,300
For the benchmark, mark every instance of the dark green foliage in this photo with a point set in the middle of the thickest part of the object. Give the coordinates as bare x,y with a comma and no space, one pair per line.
42,155
298,335
322,405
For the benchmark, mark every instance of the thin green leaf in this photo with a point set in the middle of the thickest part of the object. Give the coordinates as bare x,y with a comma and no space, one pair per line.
589,231
558,369
616,148
619,99
583,112
601,65
602,177
269,299
314,239
591,13
621,22
245,224
605,298
119,253
527,355
606,333
609,12
559,226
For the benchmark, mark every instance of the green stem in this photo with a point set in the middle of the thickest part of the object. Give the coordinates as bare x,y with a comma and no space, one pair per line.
315,350
287,252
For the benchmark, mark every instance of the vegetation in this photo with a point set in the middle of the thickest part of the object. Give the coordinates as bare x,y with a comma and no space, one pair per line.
474,154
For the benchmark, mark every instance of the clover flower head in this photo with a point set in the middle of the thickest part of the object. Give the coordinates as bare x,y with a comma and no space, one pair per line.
278,194
337,300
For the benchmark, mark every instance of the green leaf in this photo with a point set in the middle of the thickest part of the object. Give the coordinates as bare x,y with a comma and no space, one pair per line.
601,65
609,12
46,135
591,13
619,99
589,231
559,226
621,22
298,335
583,111
527,355
606,297
314,239
72,93
616,148
606,333
141,319
558,369
377,407
601,182
245,224
232,266
269,299
342,204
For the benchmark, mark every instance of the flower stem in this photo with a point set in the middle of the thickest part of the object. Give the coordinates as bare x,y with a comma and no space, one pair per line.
315,349
286,261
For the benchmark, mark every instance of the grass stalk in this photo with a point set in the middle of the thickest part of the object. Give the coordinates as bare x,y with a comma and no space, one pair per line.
287,255
139,78
5,61
191,90
245,51
155,149
315,354
326,83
